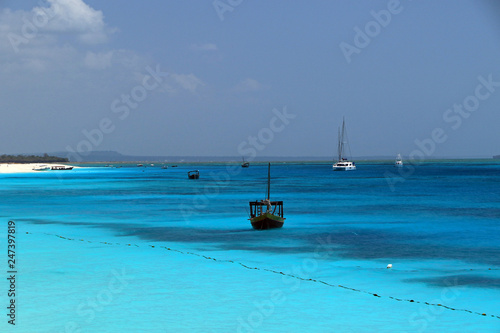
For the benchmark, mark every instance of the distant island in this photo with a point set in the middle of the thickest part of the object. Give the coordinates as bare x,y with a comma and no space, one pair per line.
105,156
32,159
113,156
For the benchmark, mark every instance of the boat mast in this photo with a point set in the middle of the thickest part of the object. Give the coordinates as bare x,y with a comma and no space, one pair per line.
341,140
343,134
268,181
339,149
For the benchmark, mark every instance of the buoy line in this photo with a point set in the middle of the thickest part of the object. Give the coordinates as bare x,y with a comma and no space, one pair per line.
285,274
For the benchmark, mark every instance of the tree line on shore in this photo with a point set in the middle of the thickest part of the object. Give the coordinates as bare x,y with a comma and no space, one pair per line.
31,159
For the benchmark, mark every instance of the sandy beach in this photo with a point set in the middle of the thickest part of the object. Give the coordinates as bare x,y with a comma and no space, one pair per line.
30,167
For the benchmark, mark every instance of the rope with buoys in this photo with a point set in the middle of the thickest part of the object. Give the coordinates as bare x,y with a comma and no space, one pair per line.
286,274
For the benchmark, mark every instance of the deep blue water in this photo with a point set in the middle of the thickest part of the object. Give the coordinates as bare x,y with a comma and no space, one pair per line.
437,223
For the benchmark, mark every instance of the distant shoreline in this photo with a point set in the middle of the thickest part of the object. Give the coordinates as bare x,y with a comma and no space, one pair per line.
147,163
7,168
30,167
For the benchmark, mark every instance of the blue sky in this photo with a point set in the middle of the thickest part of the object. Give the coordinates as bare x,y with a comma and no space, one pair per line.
410,77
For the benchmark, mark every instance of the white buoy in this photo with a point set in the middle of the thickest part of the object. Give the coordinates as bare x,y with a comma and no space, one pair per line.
389,266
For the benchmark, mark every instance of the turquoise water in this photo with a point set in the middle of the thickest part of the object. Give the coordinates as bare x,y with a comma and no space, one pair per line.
144,249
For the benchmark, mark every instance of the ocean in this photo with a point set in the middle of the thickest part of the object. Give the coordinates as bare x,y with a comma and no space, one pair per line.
145,249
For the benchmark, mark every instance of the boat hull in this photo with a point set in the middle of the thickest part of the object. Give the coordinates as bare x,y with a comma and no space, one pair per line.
267,221
344,168
61,167
195,174
41,169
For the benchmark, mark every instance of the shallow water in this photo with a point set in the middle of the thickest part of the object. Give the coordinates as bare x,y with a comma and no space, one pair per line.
136,249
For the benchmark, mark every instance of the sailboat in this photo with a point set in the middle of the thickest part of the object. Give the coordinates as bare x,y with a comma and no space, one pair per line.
343,164
266,214
399,161
245,164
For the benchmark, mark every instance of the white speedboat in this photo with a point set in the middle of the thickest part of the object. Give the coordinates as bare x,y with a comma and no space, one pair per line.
343,164
399,161
41,167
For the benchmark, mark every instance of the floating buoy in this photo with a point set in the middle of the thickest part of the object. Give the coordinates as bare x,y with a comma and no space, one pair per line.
389,266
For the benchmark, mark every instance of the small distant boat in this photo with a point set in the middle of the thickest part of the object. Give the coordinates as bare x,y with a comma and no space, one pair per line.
61,167
343,164
194,174
266,214
174,166
245,164
42,167
139,165
164,167
399,161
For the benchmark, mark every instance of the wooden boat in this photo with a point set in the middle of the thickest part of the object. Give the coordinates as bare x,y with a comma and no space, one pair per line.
194,174
266,214
245,164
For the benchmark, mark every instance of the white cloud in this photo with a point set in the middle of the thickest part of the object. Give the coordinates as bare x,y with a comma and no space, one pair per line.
98,60
187,81
73,16
249,85
53,49
47,37
62,18
204,47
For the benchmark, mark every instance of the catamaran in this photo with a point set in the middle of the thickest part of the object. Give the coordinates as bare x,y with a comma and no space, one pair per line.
343,164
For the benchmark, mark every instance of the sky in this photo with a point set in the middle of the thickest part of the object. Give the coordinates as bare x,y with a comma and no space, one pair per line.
250,78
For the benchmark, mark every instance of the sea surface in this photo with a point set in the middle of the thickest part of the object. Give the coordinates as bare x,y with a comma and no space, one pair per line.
145,249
